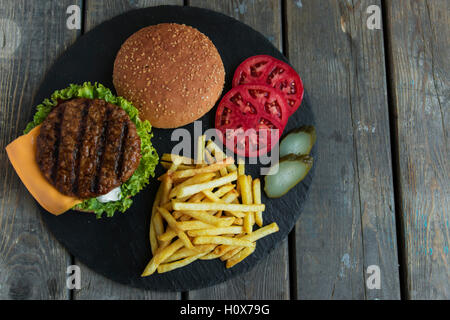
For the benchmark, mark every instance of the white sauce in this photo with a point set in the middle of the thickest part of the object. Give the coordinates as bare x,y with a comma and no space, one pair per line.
113,195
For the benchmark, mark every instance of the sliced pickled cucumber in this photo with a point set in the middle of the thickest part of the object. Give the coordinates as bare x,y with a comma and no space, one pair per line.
299,141
289,172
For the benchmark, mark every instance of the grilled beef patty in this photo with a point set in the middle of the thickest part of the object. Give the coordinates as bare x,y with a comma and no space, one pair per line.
87,147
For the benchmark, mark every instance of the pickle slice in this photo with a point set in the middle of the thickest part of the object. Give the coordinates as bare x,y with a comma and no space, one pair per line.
291,170
299,141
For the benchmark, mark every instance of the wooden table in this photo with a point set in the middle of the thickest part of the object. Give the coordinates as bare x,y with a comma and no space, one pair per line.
380,196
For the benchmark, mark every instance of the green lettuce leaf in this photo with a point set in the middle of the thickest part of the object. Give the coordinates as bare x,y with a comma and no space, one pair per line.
149,159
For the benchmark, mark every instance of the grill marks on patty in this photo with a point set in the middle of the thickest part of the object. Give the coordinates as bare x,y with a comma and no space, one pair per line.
109,175
87,147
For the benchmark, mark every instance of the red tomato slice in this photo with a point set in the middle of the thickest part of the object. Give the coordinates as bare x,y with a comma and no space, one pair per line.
264,69
251,119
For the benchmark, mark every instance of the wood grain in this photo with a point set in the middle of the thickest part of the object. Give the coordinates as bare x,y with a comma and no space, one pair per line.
270,278
419,38
349,221
95,286
32,263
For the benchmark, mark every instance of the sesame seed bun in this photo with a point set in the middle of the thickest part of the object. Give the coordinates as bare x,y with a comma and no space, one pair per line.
172,73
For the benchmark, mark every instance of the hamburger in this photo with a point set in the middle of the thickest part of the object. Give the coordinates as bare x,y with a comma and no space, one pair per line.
86,150
171,72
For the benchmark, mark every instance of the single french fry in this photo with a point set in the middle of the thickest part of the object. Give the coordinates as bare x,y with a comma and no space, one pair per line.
202,177
200,149
157,200
161,256
230,197
166,187
209,219
193,225
214,206
196,188
173,224
153,240
247,198
241,167
165,267
262,232
210,256
246,190
248,222
222,240
250,183
257,200
239,257
156,219
215,231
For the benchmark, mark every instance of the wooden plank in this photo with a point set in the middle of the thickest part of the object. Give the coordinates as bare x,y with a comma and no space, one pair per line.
99,11
270,278
349,221
95,286
419,38
32,263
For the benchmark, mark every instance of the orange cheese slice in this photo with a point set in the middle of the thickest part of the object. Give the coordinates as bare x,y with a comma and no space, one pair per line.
22,154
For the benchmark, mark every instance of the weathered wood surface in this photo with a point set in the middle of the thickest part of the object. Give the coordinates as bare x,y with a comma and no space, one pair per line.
349,221
95,286
419,39
32,263
270,278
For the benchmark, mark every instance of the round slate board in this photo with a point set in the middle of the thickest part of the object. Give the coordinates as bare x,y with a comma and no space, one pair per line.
118,247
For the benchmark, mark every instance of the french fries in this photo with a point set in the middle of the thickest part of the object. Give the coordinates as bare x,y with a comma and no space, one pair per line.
256,188
200,150
196,188
241,167
215,231
172,158
185,206
205,208
223,240
192,172
174,225
200,178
